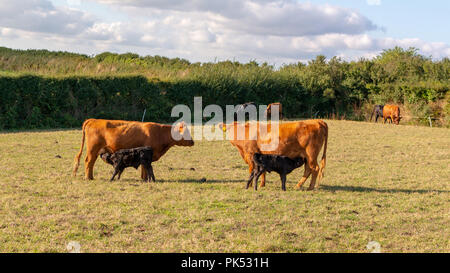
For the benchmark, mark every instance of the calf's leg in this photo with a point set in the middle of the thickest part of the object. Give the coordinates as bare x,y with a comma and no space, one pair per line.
283,181
144,174
150,170
116,171
120,173
260,172
150,174
250,179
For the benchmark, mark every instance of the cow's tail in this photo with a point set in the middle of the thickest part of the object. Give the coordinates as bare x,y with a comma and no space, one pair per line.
76,162
324,156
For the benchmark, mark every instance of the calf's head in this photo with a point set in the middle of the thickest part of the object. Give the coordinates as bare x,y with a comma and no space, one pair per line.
106,155
299,161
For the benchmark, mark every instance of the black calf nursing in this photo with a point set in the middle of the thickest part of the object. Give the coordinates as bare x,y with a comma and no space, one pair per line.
129,158
282,165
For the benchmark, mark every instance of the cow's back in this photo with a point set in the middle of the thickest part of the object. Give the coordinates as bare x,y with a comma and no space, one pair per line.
117,134
391,110
294,137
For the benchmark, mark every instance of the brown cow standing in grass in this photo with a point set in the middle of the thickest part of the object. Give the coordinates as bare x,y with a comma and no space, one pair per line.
391,112
296,139
120,134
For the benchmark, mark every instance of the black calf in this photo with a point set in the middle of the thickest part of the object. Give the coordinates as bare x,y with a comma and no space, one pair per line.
129,158
282,165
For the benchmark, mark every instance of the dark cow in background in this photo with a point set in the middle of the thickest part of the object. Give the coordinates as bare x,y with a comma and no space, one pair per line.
241,109
282,165
378,112
268,113
391,112
125,158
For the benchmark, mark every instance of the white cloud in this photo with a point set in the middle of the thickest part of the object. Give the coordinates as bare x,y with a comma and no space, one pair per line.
267,17
274,31
42,16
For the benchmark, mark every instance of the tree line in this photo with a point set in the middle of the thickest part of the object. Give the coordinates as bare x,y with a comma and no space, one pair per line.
45,89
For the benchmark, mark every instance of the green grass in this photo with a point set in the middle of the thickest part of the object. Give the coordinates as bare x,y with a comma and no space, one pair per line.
384,183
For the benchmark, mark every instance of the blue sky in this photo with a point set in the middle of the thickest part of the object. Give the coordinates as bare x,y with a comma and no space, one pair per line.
428,20
276,31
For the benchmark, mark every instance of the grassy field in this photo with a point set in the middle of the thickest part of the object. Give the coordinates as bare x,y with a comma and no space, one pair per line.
384,183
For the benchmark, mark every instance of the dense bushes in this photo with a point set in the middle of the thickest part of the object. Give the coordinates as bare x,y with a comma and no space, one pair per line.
43,89
48,102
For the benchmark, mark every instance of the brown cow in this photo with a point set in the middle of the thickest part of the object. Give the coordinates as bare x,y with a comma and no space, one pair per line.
296,139
120,134
391,112
268,112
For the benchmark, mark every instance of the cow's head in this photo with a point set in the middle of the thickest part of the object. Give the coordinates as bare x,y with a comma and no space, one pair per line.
182,135
236,131
229,129
397,119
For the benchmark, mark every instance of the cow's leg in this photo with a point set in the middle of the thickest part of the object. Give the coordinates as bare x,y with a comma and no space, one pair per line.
283,181
91,157
263,180
314,166
306,174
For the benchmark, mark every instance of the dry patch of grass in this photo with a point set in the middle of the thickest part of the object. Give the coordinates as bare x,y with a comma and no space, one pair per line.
382,183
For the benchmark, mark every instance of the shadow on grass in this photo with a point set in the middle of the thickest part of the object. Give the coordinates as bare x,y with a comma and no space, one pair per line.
365,189
202,181
136,182
38,130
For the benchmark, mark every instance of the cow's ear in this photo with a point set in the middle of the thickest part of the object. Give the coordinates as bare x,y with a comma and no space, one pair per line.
222,126
180,127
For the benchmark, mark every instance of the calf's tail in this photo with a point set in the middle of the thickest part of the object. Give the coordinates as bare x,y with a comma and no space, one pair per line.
324,156
77,157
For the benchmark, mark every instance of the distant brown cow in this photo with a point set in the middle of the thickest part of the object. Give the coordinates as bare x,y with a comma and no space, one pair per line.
296,139
120,134
391,112
268,112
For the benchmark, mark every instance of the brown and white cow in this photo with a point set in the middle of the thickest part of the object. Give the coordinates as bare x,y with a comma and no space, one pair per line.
120,134
295,139
391,112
